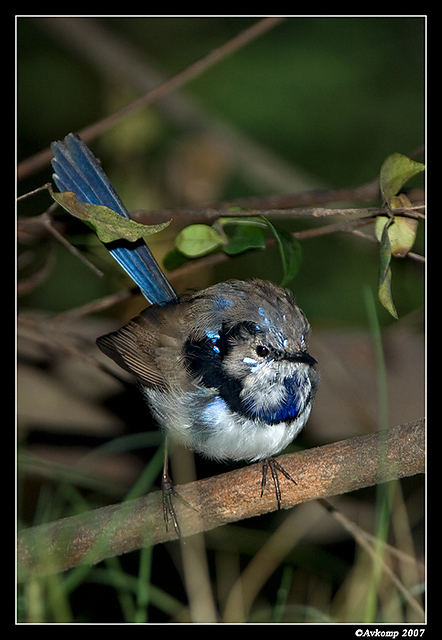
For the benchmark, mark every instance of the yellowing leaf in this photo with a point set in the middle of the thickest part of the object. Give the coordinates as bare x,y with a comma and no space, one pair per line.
107,224
396,170
401,231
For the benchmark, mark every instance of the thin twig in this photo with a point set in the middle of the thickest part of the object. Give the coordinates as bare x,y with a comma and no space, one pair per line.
369,544
43,187
95,306
320,473
47,221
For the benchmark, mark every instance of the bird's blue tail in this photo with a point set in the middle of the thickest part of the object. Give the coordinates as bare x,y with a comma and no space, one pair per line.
77,170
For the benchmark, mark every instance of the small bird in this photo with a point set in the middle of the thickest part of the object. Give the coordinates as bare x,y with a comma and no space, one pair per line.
226,371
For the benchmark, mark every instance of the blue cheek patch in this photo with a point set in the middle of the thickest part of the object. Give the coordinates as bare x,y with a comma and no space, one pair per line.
214,338
254,365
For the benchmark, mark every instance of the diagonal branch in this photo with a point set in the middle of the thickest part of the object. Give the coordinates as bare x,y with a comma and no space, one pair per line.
321,472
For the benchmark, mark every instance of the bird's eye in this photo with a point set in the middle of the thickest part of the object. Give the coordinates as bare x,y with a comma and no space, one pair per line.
262,351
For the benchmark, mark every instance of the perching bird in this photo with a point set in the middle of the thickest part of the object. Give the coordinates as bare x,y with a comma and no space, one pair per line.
225,371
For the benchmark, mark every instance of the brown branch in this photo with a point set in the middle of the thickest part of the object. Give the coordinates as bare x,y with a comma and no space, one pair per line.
207,215
321,472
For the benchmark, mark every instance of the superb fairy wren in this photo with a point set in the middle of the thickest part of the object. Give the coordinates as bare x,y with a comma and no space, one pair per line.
226,371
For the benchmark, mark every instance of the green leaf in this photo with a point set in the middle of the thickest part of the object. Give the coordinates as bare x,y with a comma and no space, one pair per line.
107,224
197,240
245,237
384,289
384,294
396,170
290,251
385,254
174,259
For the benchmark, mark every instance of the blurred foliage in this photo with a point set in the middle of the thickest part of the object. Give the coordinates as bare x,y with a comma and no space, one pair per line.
332,97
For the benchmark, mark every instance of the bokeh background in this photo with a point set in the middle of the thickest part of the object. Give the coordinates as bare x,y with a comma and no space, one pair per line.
314,103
